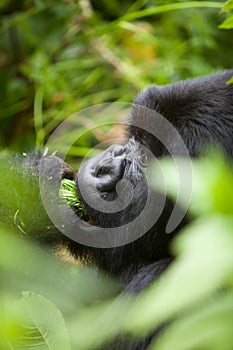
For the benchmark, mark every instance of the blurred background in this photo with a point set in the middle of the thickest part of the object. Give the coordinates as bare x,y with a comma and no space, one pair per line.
58,57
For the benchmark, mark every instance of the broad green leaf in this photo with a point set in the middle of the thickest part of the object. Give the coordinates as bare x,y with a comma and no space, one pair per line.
228,6
228,23
204,264
46,327
209,186
208,328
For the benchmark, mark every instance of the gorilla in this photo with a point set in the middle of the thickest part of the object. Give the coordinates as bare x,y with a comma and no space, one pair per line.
176,120
200,114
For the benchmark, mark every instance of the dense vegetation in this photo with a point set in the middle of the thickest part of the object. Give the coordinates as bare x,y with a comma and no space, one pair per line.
57,58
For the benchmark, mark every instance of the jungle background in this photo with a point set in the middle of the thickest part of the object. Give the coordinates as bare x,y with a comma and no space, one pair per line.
56,59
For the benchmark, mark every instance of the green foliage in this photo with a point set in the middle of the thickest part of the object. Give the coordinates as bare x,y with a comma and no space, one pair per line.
228,23
44,324
20,201
58,289
204,251
68,194
71,304
213,170
57,58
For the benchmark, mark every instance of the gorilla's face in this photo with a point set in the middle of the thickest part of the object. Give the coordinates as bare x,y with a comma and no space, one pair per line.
115,193
115,175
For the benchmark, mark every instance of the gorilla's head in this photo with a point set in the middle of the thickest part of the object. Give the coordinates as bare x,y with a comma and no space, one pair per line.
114,177
114,189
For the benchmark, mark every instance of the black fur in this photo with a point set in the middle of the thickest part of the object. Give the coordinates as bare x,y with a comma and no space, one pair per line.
200,109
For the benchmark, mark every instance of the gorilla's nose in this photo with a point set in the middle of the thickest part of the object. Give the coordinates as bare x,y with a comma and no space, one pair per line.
110,168
120,162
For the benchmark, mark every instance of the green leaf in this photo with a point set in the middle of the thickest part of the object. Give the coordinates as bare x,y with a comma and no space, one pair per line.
69,196
209,328
208,184
204,264
230,81
46,327
228,6
228,23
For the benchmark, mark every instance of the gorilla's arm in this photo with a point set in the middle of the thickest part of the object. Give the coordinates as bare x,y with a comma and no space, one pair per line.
21,205
201,109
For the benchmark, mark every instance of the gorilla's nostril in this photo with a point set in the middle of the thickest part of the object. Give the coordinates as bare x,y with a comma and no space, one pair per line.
111,163
103,170
109,173
120,162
